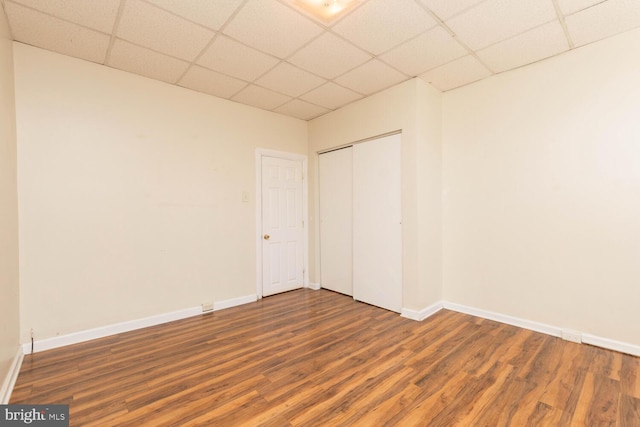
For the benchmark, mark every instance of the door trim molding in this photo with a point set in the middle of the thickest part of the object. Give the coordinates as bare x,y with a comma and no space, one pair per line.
260,153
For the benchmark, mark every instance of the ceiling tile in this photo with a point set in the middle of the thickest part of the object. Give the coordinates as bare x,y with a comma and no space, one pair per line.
99,15
207,81
603,20
329,56
272,27
260,97
428,50
44,31
331,96
235,59
290,80
457,73
148,26
571,6
371,77
378,25
301,110
203,12
534,45
445,9
496,20
145,62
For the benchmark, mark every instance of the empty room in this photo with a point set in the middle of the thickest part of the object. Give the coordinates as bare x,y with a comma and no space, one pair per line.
320,212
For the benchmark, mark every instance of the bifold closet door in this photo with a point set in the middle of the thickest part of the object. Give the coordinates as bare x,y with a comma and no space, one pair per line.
335,170
377,228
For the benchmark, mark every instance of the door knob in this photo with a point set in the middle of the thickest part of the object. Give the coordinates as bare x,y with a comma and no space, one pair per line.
266,237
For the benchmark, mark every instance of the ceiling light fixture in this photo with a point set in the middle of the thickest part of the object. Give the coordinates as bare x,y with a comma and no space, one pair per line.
325,11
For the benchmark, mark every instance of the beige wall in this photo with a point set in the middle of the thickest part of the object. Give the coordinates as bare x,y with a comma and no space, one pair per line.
414,108
9,304
131,193
429,193
542,191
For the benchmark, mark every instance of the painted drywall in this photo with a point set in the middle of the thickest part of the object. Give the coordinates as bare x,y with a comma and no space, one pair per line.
9,293
130,193
429,193
414,108
542,191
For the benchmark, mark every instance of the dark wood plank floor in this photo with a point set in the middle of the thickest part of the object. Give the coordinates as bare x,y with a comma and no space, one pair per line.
316,358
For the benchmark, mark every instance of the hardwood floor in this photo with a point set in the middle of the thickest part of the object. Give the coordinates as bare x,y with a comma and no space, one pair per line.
316,358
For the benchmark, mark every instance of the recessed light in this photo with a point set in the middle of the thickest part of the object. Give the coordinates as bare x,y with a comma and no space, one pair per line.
325,11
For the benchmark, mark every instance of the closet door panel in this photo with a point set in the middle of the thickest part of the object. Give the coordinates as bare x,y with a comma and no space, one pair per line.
336,220
377,233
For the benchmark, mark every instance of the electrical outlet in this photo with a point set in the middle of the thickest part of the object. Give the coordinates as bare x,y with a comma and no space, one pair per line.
207,306
573,336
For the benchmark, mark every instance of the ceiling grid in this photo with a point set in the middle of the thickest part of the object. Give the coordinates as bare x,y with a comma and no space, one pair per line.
272,55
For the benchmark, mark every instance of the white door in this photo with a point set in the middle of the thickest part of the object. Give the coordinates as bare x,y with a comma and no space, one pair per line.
282,227
377,233
335,171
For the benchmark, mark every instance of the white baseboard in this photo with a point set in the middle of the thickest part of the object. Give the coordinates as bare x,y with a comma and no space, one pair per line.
77,337
314,286
10,380
620,346
131,325
221,305
104,331
422,314
503,318
555,331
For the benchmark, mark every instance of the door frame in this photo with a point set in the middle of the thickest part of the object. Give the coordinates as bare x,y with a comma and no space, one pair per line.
260,153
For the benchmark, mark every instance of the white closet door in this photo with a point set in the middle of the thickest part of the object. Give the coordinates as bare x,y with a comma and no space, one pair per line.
377,233
336,220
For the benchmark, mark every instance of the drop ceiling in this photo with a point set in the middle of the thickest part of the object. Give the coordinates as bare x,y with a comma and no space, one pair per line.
268,54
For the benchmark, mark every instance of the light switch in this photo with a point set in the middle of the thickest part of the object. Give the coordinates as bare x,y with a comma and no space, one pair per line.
245,197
